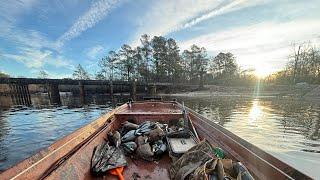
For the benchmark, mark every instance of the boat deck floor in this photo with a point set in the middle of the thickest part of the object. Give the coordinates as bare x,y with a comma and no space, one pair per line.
151,108
140,169
139,112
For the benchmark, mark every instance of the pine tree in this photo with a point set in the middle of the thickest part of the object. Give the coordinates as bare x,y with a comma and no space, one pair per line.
127,61
159,57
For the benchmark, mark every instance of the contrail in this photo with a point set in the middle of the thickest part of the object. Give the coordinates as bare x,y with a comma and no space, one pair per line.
98,11
217,11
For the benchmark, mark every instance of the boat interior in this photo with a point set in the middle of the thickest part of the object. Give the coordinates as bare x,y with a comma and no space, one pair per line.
137,168
70,157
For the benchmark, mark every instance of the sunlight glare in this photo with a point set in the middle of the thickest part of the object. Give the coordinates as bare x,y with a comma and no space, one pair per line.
255,111
262,72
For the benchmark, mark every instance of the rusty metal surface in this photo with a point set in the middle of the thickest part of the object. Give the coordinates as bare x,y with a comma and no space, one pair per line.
77,164
141,118
146,108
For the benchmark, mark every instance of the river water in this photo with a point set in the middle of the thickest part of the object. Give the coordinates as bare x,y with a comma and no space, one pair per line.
288,129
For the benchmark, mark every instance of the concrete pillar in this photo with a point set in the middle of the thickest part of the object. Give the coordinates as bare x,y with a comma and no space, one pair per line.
146,89
134,90
82,93
13,94
54,95
25,95
153,90
16,94
20,94
28,95
111,92
169,88
111,89
121,90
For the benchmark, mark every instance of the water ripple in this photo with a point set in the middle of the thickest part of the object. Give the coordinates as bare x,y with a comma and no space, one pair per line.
27,130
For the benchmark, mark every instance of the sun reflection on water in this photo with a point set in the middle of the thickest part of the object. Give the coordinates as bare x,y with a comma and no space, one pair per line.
255,112
281,127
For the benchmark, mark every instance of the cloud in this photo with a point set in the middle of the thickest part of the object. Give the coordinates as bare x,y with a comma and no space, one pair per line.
10,10
165,16
169,16
28,38
36,59
31,47
262,43
32,59
34,49
51,74
55,75
12,13
93,52
225,8
98,11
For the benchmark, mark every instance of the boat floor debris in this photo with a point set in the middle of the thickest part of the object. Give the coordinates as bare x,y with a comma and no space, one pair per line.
158,150
140,169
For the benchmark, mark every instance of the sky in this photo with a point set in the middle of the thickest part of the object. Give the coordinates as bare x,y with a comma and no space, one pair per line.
57,35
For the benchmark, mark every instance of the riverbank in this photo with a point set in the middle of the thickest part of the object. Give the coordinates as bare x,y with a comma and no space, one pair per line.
304,92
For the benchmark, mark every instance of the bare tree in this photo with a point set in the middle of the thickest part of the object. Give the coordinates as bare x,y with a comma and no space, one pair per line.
296,61
80,73
43,74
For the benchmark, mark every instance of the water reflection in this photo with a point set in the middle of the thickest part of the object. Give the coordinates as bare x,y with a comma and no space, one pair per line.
255,112
273,124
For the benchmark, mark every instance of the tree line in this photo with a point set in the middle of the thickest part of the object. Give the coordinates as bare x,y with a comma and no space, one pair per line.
303,66
160,59
4,75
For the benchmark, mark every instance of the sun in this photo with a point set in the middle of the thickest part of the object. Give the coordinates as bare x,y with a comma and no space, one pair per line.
262,72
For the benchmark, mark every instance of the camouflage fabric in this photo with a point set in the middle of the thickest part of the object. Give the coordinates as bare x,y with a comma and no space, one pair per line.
106,157
191,160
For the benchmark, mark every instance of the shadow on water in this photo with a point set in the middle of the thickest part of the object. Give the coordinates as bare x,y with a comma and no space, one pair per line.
4,130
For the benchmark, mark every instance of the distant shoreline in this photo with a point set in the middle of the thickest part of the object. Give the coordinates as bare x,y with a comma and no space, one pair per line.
311,93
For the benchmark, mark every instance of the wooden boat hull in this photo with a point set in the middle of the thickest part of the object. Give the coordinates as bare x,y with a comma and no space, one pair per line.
69,157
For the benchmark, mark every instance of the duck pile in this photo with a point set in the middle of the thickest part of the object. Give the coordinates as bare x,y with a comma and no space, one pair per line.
145,141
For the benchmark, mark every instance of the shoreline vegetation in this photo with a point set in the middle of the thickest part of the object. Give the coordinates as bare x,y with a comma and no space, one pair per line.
160,59
303,92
